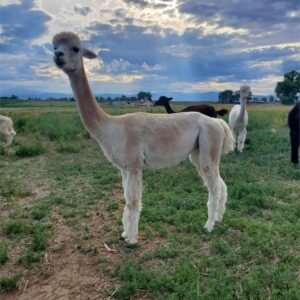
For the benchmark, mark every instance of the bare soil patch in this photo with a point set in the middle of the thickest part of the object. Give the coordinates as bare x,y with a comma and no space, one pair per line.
66,273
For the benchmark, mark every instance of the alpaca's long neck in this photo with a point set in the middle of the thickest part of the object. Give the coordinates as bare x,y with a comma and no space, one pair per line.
169,108
93,117
243,108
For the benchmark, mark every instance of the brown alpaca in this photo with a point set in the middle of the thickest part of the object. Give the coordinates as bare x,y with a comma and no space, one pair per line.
205,109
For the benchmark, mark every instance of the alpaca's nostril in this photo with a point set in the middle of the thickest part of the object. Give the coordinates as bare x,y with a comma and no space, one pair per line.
59,53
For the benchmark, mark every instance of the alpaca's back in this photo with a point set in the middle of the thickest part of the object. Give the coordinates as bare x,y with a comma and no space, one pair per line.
203,108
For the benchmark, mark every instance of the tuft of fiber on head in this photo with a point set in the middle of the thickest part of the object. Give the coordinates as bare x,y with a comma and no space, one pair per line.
245,88
65,37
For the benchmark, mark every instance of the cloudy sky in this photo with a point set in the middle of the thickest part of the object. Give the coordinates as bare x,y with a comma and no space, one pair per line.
161,46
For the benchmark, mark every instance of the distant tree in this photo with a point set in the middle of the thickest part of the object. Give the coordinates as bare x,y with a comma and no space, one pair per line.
227,96
123,98
271,98
144,95
14,97
132,99
287,89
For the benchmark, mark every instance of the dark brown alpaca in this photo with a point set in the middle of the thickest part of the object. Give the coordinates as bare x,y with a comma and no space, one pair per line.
294,124
202,108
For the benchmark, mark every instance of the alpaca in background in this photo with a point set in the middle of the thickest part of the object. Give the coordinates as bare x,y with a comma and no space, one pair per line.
7,129
294,124
202,108
135,141
238,118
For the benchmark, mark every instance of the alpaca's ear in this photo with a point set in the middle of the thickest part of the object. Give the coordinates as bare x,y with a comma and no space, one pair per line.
88,53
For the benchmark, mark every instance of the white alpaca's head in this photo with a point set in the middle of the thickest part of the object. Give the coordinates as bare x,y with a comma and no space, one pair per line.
68,52
244,91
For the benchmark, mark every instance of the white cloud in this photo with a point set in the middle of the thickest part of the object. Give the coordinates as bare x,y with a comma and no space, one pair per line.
9,2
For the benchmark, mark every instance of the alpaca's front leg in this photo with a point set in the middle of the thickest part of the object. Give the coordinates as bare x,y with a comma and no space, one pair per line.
294,135
132,184
9,139
241,139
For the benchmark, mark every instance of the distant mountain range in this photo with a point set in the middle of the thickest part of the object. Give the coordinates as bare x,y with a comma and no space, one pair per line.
26,93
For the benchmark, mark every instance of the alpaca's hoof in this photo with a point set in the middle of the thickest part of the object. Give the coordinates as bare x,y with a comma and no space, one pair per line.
123,235
219,218
131,241
209,226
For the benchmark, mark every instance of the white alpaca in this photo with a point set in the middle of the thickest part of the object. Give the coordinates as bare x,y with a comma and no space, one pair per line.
135,141
6,128
238,118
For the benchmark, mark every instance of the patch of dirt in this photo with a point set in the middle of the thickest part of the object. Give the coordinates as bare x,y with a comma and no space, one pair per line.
66,273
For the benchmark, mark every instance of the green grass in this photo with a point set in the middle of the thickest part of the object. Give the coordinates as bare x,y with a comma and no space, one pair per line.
14,227
30,149
8,283
3,253
252,254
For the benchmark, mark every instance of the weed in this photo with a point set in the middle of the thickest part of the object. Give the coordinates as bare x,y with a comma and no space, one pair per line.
30,257
8,283
39,241
3,253
40,210
15,227
2,150
69,146
13,188
30,149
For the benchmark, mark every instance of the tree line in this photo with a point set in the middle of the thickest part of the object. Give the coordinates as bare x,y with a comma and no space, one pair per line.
140,96
285,90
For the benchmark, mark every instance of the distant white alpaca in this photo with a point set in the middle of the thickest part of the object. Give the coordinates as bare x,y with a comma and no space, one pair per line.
135,141
238,118
6,128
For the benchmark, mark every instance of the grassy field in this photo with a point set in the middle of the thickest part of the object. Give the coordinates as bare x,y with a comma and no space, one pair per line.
61,205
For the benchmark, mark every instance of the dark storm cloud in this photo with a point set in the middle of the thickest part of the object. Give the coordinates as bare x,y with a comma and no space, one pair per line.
20,24
206,57
140,3
161,53
257,16
82,10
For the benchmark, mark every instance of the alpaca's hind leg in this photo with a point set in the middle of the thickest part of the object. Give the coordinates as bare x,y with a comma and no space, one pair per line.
241,139
294,135
132,184
234,134
211,178
223,199
209,171
124,220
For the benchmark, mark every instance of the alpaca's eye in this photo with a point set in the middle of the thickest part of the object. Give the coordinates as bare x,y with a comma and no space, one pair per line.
75,49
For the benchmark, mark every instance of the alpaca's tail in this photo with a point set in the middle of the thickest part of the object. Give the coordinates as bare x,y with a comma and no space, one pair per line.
222,112
229,142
